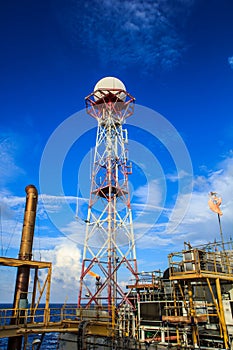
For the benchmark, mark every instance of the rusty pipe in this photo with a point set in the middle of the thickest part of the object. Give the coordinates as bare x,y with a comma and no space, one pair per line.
25,252
23,273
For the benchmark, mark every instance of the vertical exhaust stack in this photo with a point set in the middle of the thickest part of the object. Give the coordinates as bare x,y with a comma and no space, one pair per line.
23,273
25,252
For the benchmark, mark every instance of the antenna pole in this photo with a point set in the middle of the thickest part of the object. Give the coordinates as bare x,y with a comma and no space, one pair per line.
221,234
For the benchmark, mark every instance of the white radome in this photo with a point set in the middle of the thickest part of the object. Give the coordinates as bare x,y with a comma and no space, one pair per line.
109,83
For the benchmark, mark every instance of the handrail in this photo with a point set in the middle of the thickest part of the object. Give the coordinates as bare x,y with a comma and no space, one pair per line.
30,316
200,261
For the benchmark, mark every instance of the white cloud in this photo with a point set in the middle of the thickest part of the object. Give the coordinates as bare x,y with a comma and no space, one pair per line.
142,194
127,32
177,176
58,199
12,213
66,268
55,203
8,169
200,224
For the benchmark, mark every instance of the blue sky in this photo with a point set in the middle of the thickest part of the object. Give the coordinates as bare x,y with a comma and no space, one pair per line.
176,59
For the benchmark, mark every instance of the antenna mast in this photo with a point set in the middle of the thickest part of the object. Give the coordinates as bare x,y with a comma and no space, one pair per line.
109,241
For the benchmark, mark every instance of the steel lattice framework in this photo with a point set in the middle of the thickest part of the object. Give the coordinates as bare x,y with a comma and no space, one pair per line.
109,241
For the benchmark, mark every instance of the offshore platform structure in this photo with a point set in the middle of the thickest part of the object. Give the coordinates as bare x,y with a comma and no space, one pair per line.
109,240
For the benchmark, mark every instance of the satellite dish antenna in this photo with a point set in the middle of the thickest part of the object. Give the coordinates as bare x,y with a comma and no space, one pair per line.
109,85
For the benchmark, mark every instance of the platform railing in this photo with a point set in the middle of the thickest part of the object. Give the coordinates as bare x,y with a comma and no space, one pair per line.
200,261
42,316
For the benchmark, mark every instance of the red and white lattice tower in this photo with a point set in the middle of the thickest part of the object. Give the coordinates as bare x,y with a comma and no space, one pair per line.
109,240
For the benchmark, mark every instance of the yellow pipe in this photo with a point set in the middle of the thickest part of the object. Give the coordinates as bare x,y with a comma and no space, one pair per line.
192,314
175,304
216,305
222,317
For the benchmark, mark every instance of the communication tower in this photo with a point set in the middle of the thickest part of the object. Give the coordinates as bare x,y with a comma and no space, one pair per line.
109,244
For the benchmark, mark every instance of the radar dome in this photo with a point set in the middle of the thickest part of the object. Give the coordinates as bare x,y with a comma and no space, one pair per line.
109,83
